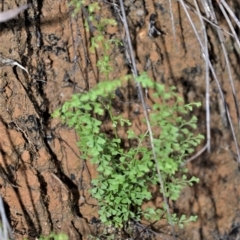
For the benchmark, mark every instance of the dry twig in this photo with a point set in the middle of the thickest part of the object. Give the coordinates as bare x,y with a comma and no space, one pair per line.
12,13
10,62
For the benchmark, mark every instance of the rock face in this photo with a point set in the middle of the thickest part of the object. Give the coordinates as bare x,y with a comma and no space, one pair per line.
43,181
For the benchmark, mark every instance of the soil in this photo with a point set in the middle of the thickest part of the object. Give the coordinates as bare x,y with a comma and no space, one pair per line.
43,181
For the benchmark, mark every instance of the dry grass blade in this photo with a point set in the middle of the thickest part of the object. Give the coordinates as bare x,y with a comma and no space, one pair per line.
5,229
196,155
230,25
10,62
214,76
222,42
7,15
207,20
207,8
208,127
230,12
228,113
172,20
235,36
140,92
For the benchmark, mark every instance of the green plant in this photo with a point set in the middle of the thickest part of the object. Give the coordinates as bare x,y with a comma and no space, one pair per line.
125,174
54,236
98,41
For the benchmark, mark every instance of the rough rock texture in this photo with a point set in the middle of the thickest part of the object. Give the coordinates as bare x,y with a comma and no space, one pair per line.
43,181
